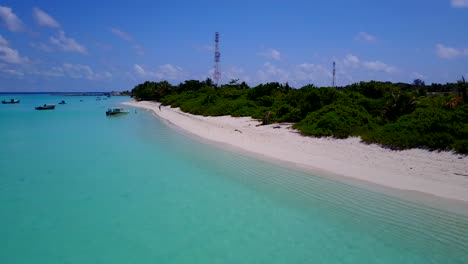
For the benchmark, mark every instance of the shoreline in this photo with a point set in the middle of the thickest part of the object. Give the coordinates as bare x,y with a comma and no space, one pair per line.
440,174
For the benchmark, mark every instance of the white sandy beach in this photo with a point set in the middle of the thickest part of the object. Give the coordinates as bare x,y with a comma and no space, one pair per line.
442,174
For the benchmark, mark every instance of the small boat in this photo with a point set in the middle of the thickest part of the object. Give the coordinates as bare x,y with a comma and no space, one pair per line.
116,111
46,107
63,102
12,101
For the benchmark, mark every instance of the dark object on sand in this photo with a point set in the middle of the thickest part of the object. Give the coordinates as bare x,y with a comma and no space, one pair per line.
266,119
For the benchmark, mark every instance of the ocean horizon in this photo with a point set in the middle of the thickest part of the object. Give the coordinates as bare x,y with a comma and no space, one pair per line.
80,187
56,92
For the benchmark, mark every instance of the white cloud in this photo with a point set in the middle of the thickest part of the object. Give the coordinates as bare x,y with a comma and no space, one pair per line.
270,73
67,44
44,19
139,50
42,47
234,72
10,55
351,61
343,77
78,71
348,68
4,68
170,72
3,41
139,70
164,72
445,52
417,75
304,73
121,34
52,72
311,73
107,75
13,72
11,21
365,37
74,71
271,54
320,74
378,66
459,3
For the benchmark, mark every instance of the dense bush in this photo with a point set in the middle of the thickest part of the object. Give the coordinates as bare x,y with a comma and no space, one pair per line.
395,115
337,120
427,127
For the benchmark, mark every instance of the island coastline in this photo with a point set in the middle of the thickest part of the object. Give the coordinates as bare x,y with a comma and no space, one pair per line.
441,174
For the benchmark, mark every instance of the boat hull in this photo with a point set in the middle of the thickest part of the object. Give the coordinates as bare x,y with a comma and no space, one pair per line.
114,114
10,102
116,111
48,107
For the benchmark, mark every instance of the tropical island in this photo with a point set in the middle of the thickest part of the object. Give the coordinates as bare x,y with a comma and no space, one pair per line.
393,115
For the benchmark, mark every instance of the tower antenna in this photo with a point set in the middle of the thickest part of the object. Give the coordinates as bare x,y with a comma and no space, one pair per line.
334,75
217,73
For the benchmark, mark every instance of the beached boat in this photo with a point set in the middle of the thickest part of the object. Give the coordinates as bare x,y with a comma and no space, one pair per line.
116,111
63,102
12,101
46,107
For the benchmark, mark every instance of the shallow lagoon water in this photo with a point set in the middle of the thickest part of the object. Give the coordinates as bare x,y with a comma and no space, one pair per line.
79,187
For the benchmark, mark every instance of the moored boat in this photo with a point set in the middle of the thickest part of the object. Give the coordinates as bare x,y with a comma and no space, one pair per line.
62,102
116,111
46,107
12,101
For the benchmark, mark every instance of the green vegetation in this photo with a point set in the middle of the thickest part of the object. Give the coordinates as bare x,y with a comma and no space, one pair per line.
395,115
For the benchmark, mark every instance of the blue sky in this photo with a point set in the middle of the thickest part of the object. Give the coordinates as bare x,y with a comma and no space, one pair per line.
114,45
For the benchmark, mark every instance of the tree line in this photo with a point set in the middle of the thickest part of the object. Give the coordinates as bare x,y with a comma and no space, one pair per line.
394,115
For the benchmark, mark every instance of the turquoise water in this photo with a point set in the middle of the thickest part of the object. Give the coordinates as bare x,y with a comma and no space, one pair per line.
79,187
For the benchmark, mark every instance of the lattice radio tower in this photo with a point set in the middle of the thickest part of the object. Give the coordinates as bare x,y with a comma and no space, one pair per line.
334,75
217,73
